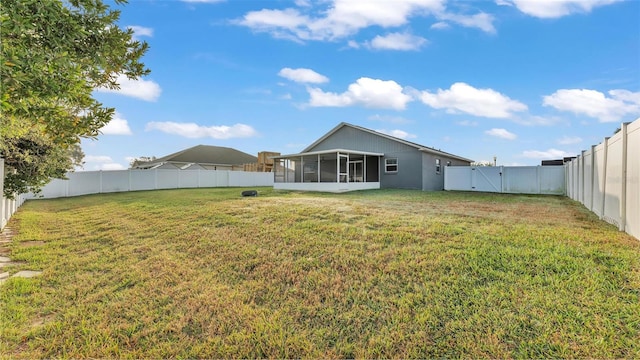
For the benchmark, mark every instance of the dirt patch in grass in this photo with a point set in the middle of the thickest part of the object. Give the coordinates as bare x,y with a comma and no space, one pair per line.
42,320
205,273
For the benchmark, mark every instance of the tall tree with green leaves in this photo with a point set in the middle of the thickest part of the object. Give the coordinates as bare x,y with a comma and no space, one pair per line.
53,54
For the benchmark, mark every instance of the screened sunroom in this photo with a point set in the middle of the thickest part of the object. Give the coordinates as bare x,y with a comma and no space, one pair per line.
335,170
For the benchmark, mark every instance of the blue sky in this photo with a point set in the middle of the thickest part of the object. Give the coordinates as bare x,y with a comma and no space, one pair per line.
517,79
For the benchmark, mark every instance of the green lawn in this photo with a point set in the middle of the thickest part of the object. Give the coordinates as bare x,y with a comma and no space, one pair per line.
206,273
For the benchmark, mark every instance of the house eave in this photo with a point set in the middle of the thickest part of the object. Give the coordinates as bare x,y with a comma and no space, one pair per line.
442,153
330,151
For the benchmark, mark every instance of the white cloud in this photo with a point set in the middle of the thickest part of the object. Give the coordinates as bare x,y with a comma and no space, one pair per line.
595,104
372,93
441,25
203,1
343,18
117,126
192,130
549,154
100,162
353,44
401,134
303,75
461,97
569,140
389,119
626,95
142,89
501,133
397,41
504,3
482,21
98,159
556,8
287,23
139,31
536,120
467,123
303,3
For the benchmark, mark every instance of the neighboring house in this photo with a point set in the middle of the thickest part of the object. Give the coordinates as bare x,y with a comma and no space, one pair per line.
351,157
203,157
557,161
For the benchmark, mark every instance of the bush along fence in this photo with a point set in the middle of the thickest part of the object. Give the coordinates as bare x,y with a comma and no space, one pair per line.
606,179
7,206
97,182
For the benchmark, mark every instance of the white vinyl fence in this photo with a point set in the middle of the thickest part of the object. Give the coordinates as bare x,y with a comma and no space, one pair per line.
606,179
7,206
96,182
548,180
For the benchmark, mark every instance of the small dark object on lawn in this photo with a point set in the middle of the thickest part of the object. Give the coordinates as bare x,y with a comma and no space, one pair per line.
250,193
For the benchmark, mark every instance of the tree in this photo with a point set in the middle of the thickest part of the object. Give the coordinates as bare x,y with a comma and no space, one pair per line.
141,160
53,55
482,163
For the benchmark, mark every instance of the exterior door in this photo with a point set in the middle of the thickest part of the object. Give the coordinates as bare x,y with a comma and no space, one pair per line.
356,171
343,168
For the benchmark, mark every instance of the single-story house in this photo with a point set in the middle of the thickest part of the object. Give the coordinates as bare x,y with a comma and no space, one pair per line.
351,157
204,157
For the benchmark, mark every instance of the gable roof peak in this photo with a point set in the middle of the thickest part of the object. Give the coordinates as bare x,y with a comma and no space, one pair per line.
377,133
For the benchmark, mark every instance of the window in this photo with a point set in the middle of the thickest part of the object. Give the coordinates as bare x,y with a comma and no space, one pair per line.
437,166
391,165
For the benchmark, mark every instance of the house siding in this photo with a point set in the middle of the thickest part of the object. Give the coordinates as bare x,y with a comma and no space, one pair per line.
409,175
431,179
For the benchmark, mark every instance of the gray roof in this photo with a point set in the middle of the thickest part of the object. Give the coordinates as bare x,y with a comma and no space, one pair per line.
330,151
208,155
409,143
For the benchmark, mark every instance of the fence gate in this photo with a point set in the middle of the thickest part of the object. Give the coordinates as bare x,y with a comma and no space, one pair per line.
486,179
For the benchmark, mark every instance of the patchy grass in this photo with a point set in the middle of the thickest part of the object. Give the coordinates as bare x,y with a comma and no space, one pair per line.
205,273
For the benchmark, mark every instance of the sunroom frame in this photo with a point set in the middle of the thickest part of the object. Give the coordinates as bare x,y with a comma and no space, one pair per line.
335,170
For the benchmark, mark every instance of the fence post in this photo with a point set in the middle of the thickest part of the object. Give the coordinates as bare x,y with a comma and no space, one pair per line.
604,176
623,191
2,206
593,174
582,172
566,179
